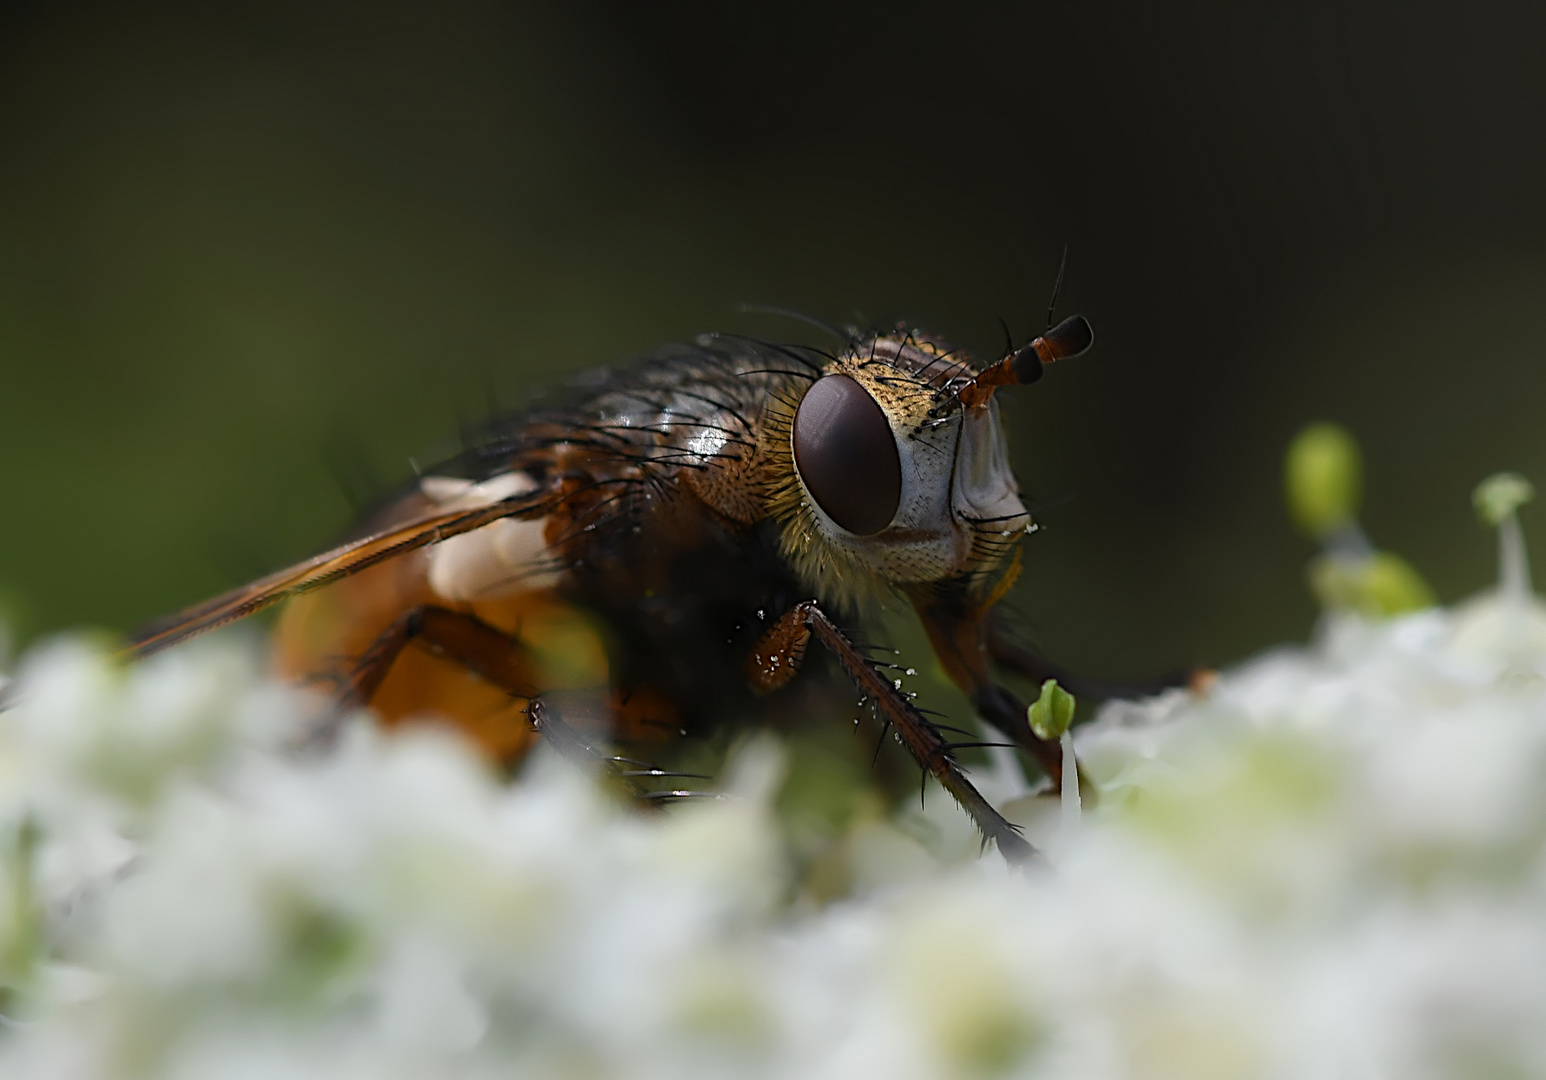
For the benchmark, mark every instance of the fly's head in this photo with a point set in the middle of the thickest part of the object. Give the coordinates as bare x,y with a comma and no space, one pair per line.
891,469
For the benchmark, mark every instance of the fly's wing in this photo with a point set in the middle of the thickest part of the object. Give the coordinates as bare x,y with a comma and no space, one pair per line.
331,565
625,436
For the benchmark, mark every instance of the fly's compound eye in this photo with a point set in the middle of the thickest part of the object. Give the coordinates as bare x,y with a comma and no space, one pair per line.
847,456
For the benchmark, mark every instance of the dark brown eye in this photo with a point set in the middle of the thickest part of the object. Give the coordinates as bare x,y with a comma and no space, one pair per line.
847,455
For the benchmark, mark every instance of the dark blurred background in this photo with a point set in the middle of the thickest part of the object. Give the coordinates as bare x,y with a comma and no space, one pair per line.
254,254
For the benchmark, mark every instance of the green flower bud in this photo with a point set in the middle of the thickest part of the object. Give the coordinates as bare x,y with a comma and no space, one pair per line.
1323,478
1500,495
1051,713
1380,586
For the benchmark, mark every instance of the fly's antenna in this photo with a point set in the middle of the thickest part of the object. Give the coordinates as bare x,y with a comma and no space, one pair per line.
1068,338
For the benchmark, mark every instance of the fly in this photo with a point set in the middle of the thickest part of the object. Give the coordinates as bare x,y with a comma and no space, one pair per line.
589,559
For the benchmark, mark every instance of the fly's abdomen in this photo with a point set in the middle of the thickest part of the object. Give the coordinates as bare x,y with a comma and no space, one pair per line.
503,575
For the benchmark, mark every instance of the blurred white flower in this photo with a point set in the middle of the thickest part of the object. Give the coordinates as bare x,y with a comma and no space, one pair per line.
1332,866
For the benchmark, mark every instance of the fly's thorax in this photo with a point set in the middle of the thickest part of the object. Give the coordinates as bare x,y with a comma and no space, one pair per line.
884,479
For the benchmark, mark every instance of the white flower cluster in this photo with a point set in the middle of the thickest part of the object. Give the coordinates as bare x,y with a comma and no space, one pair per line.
1331,867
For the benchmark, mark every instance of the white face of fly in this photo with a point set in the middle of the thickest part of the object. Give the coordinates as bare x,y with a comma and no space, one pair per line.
984,497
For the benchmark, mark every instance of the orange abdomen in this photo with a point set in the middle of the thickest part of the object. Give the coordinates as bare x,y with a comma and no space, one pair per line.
321,635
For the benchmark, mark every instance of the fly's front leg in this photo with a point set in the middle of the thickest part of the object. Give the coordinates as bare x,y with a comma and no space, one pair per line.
958,628
958,633
974,641
778,656
1002,707
1024,660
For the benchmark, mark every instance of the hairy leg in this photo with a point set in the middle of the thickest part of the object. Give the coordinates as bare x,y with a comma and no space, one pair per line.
777,658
